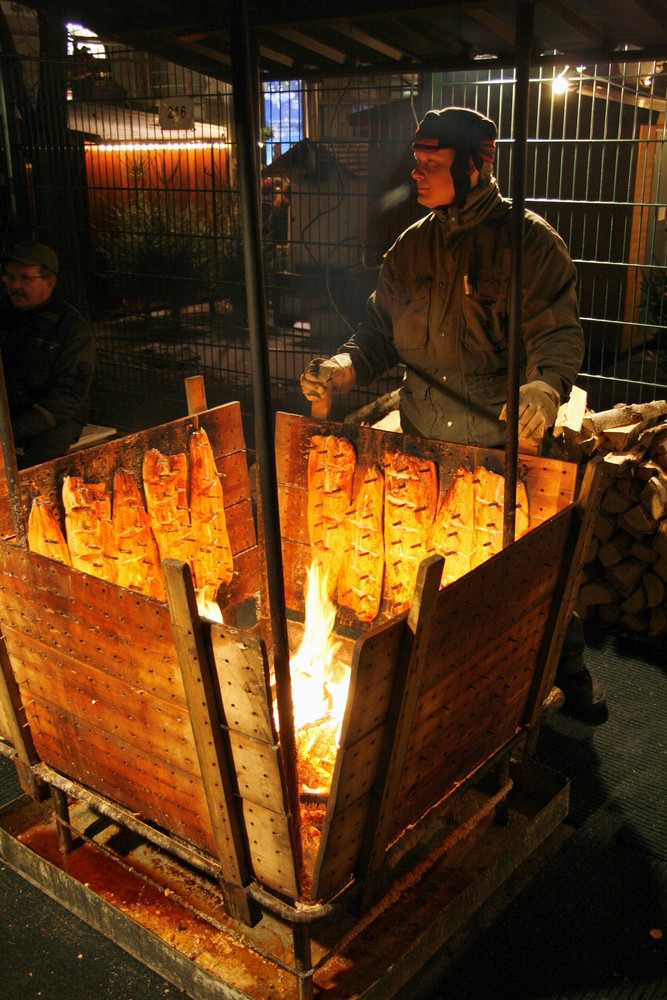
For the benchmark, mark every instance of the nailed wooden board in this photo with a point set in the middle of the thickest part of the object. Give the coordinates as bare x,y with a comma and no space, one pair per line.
486,645
94,622
101,690
551,485
243,680
372,676
97,665
224,429
488,640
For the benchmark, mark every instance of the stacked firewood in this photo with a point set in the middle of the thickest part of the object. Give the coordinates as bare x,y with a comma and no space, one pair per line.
624,581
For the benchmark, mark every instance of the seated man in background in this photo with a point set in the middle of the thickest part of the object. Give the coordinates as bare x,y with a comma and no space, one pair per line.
48,356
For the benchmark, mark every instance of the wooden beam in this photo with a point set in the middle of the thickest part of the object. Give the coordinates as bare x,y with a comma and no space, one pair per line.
311,44
596,479
19,734
399,725
206,720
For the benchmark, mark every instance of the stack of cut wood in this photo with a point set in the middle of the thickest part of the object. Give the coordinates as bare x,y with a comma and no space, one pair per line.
625,572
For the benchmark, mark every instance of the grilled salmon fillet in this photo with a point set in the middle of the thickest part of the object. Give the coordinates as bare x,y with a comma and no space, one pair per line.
165,479
45,535
213,563
331,468
453,534
89,529
361,573
138,558
411,496
489,499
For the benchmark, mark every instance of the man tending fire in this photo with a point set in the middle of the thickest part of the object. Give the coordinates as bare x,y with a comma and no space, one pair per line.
440,307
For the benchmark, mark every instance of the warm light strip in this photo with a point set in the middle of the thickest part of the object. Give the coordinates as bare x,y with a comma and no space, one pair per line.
147,147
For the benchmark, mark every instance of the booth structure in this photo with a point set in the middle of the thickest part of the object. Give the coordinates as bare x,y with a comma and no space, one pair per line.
162,803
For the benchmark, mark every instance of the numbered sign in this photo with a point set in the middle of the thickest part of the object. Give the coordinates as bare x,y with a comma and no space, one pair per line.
177,112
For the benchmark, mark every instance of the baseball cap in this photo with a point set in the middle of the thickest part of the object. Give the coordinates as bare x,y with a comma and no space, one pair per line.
458,128
33,254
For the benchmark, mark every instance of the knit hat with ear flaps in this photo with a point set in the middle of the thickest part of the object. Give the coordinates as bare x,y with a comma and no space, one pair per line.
470,133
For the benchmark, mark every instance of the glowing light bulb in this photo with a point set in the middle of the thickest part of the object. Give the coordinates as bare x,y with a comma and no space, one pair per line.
560,84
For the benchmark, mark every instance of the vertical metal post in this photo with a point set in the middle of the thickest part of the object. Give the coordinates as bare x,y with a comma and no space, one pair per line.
61,813
303,960
10,182
245,103
10,467
524,40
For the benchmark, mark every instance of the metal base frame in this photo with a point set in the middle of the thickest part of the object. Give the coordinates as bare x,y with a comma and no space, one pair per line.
172,918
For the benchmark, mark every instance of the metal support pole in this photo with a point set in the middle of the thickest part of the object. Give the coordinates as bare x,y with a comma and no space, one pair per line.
10,466
303,961
524,41
245,102
61,813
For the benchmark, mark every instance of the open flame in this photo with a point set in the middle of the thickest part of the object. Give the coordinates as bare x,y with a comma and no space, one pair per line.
319,687
207,608
320,683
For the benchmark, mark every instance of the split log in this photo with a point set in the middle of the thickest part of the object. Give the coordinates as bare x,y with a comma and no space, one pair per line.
660,567
657,622
654,497
622,415
644,551
615,550
604,525
599,592
624,576
654,588
614,502
660,539
637,522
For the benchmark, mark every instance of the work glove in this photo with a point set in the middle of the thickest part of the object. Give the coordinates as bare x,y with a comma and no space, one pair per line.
538,408
337,371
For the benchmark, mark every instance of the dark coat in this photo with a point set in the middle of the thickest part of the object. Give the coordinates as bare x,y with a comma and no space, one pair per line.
441,305
48,357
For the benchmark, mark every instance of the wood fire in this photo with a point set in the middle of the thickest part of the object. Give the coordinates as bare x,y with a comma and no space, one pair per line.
319,688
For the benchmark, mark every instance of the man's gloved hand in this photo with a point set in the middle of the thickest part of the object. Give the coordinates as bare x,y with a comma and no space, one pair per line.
538,408
339,371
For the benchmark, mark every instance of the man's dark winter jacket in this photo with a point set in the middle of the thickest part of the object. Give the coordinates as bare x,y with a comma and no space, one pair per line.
441,305
48,357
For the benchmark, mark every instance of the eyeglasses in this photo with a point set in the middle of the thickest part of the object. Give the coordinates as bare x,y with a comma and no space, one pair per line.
22,279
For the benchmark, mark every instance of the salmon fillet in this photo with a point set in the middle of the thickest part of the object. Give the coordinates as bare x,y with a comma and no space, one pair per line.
360,579
489,497
45,536
453,533
213,563
89,530
165,479
138,558
331,467
411,496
